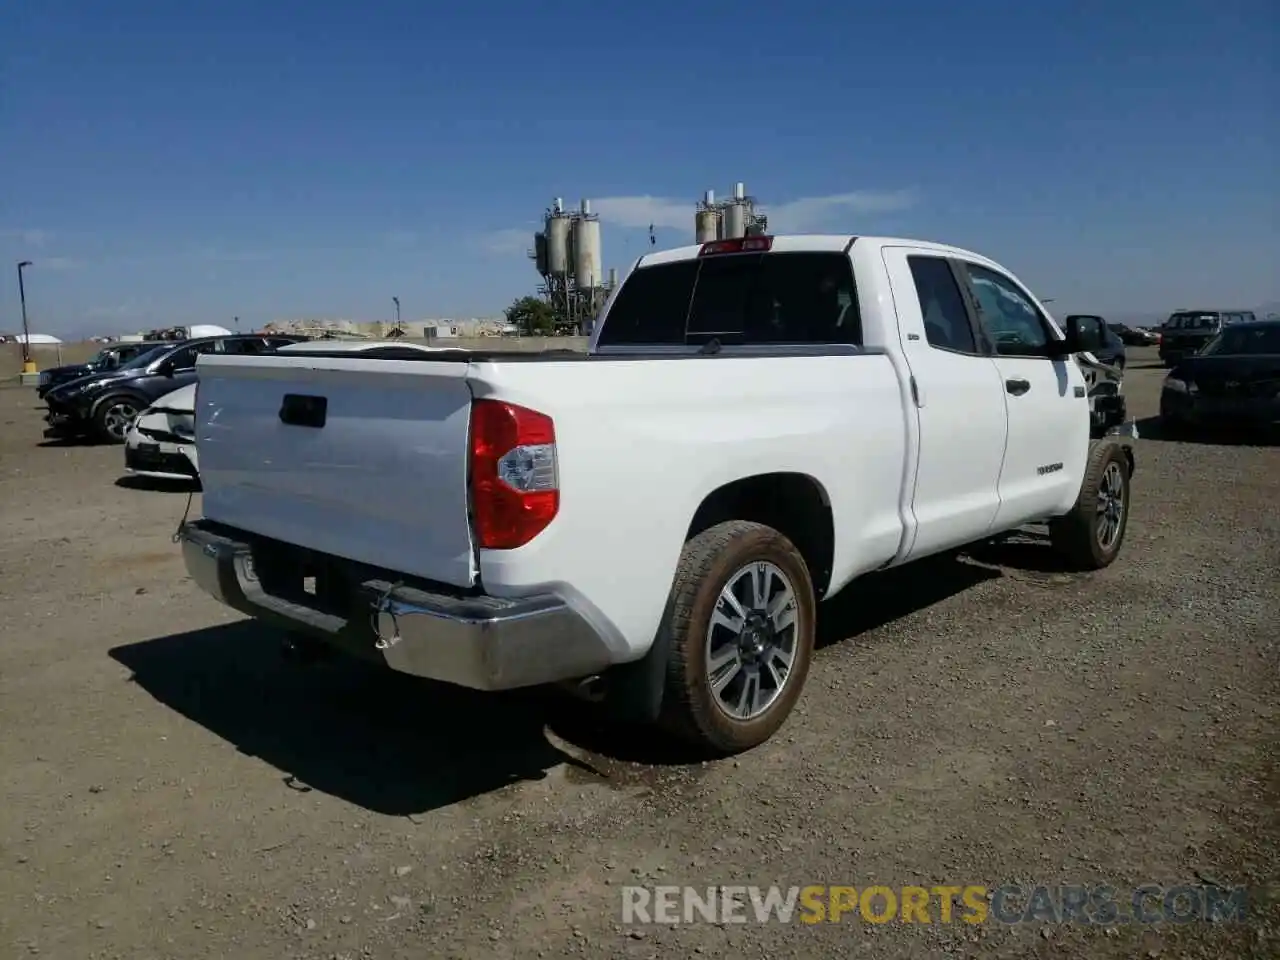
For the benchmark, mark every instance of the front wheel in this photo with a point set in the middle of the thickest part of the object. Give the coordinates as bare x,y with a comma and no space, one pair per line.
741,627
1090,536
114,418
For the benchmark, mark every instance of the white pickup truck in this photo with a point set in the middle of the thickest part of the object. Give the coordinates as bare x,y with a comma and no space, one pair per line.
757,423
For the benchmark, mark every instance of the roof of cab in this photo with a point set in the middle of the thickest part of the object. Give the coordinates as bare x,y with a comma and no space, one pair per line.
816,243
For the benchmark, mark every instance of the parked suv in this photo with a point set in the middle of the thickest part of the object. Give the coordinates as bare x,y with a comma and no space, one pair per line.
104,405
1186,331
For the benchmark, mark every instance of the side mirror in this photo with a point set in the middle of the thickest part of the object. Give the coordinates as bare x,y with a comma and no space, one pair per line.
1084,335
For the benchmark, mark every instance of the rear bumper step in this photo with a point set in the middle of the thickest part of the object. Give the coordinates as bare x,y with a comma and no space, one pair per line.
481,642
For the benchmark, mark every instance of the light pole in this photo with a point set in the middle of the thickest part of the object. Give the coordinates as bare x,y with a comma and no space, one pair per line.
28,365
396,301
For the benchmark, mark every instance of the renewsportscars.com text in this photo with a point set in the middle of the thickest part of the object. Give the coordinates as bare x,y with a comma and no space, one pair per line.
968,903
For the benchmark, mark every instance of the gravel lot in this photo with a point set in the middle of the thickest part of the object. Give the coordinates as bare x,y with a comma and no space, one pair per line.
170,788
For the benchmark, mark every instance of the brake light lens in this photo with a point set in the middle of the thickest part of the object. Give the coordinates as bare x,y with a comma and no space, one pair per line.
515,483
736,245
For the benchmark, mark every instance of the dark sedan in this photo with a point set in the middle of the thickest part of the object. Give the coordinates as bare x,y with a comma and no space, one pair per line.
1133,336
105,360
1234,381
104,405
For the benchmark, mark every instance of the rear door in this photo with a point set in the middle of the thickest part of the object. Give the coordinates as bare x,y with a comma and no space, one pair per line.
960,403
1046,399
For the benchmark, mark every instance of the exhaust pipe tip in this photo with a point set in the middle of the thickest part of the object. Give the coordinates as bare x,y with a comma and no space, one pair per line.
591,689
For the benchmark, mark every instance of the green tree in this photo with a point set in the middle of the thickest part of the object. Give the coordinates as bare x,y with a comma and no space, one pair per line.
532,317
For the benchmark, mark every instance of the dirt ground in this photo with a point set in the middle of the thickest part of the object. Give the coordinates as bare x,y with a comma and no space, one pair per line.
170,787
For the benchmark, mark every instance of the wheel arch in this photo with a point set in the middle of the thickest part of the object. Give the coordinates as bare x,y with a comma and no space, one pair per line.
117,394
795,504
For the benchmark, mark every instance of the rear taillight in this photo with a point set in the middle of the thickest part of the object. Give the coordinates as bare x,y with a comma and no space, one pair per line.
515,486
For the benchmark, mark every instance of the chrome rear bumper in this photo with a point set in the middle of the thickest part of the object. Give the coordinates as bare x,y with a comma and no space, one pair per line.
481,642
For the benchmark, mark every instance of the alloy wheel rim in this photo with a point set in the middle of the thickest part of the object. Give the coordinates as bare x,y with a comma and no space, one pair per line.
119,418
752,641
1111,506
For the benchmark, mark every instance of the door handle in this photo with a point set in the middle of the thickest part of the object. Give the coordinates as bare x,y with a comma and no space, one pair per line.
1017,387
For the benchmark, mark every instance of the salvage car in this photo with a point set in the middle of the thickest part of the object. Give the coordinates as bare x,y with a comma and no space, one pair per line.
103,406
105,360
161,444
757,423
1234,382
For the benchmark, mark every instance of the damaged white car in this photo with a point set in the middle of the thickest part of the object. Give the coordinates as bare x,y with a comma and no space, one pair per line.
162,441
1108,410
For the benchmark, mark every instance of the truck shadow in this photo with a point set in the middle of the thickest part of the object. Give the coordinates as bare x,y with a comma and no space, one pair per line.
881,598
398,745
389,743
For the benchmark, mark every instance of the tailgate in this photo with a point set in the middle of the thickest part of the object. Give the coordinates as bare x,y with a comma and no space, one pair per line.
363,459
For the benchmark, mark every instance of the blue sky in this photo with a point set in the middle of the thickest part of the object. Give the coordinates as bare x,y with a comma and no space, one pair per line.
168,162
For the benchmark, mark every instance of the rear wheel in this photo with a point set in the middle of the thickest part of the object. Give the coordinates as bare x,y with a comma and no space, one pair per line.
1090,536
114,417
741,623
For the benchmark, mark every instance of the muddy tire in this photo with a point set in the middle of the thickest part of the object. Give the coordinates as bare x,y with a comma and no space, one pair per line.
740,621
1091,535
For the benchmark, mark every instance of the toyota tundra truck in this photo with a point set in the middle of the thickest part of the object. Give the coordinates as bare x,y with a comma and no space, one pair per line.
757,423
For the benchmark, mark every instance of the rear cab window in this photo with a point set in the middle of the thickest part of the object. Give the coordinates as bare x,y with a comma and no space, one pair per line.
738,299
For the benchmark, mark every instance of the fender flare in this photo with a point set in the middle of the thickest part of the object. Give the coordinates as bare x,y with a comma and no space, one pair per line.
115,394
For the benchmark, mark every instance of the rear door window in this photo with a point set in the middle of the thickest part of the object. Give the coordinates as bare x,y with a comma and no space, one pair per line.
946,321
752,298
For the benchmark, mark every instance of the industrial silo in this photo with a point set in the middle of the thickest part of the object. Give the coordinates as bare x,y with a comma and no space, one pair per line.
706,220
705,225
586,249
735,220
540,252
558,226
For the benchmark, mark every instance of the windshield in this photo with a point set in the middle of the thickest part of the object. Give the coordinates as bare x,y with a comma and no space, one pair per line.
1237,341
1194,321
144,358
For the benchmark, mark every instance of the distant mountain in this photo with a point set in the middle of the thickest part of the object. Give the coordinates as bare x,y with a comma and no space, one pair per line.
1267,308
